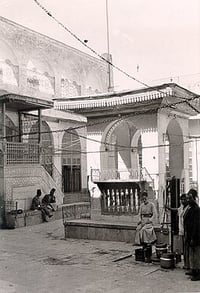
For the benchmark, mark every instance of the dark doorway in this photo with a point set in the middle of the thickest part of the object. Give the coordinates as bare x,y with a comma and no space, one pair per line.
71,162
71,178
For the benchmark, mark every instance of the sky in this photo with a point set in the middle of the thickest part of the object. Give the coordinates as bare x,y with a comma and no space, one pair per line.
150,40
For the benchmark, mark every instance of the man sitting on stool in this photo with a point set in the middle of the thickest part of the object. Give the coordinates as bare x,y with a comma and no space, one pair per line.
145,234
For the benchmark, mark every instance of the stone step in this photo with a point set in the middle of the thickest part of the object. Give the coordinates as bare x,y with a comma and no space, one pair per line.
110,231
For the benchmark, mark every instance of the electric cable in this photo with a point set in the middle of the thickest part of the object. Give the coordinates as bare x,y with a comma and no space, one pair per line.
124,116
88,47
96,53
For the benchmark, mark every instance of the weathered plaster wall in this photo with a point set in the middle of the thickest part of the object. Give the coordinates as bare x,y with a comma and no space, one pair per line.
20,46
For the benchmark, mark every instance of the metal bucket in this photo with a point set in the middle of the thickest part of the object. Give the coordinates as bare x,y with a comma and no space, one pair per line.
139,254
167,261
160,249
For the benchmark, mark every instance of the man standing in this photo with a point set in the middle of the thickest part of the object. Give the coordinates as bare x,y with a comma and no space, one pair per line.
182,210
192,234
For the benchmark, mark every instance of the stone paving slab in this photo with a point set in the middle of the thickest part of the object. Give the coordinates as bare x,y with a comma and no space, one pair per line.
38,259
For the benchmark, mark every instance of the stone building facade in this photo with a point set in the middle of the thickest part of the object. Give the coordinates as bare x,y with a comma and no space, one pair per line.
36,65
34,70
136,136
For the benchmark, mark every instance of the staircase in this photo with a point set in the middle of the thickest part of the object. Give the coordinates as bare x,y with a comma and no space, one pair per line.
22,182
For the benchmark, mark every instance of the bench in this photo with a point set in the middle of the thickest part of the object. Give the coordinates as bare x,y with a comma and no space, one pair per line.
63,211
28,218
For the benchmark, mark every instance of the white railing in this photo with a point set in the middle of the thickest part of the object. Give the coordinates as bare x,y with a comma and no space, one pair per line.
115,175
22,153
137,174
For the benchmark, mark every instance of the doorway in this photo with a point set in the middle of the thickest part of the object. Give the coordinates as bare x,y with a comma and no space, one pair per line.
71,162
71,178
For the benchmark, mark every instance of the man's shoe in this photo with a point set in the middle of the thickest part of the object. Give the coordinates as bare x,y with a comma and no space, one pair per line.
195,278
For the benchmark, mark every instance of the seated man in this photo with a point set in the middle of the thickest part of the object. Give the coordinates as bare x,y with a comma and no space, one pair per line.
52,196
36,205
145,233
49,201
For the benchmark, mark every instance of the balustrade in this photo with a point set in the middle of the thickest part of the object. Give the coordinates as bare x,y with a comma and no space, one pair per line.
22,153
119,198
114,174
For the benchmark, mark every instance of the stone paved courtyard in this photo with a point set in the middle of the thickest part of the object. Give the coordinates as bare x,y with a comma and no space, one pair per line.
38,259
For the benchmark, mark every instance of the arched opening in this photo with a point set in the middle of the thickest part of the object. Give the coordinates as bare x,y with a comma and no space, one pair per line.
136,149
121,150
71,162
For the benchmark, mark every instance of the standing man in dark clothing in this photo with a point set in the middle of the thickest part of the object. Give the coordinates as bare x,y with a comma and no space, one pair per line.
192,234
182,210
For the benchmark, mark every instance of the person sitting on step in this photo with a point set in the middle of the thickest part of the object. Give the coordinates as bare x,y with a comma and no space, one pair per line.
36,205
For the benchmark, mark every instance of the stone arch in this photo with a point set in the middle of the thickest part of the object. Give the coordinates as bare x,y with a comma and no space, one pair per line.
174,135
9,69
116,145
105,141
71,161
136,149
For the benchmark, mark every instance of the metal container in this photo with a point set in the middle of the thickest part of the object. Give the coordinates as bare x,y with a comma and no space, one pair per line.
167,261
139,254
160,249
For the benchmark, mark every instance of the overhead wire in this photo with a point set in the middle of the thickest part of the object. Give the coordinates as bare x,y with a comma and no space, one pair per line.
99,55
85,44
124,116
63,151
90,48
70,129
96,53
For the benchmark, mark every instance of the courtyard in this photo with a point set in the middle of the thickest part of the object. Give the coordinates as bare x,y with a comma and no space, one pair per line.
39,259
